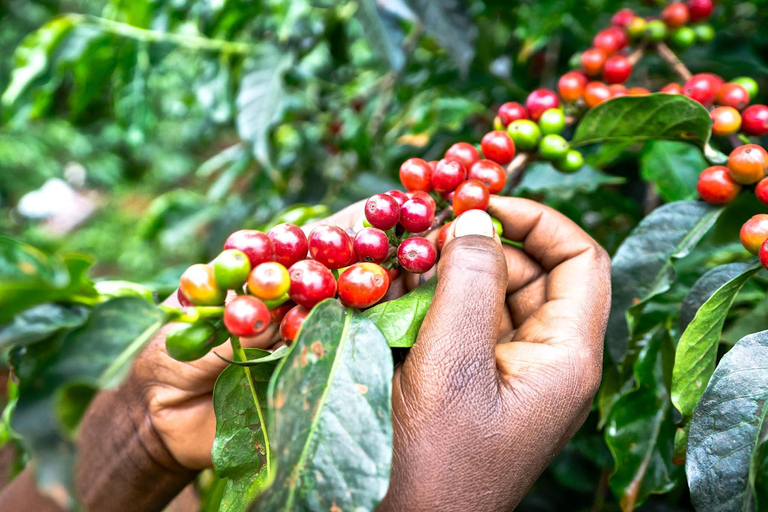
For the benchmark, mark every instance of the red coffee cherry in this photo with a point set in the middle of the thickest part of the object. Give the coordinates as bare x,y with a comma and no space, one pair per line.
470,195
490,174
498,146
382,211
183,301
331,246
595,93
754,232
276,315
246,316
539,101
703,88
761,191
700,9
255,244
610,40
617,69
448,175
311,282
290,243
362,285
732,95
198,285
511,111
747,164
465,153
623,18
442,234
672,89
763,255
754,120
269,281
618,90
401,197
593,61
416,174
675,15
571,86
371,245
424,197
716,186
725,121
416,215
416,255
638,91
292,322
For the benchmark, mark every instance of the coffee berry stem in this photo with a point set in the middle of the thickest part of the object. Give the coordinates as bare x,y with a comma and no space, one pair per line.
666,53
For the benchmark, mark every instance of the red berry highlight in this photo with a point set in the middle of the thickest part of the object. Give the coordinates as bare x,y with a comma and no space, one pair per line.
617,69
269,281
255,244
290,243
400,197
382,211
490,174
699,10
448,175
311,282
416,255
754,232
415,174
754,120
331,246
593,61
362,285
416,215
539,101
732,95
716,186
498,146
292,322
512,111
703,88
463,152
571,86
470,195
246,316
675,15
371,245
761,191
747,164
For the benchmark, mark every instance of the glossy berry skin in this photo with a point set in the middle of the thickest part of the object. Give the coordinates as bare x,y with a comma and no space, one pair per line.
198,285
382,211
747,164
331,245
571,162
732,95
371,245
290,243
704,33
441,236
593,61
725,121
311,282
416,255
699,10
525,134
490,174
246,316
703,88
511,111
497,146
464,152
755,120
655,31
553,147
448,174
424,197
362,285
292,322
618,90
610,40
672,88
761,191
269,281
762,254
617,69
416,174
623,18
638,91
183,301
716,186
748,83
231,269
675,15
636,29
682,38
552,121
539,101
571,86
277,314
470,195
255,244
416,215
595,93
754,232
401,197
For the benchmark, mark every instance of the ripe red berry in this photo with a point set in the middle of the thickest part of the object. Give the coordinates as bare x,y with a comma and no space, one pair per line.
512,111
255,244
754,120
269,281
198,285
672,88
700,9
732,95
762,254
703,88
617,69
498,146
276,315
754,232
490,174
747,164
371,245
623,18
571,86
331,245
362,285
618,90
292,322
416,215
540,101
401,197
675,15
638,91
441,236
593,61
725,121
415,174
311,282
183,301
716,186
448,175
290,243
246,316
595,93
424,197
470,195
761,191
416,255
464,152
382,211
610,40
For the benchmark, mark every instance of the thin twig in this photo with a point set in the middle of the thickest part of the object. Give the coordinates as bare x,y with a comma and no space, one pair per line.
636,55
675,63
516,171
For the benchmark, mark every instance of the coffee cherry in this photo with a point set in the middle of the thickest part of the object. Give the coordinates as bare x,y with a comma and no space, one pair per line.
198,285
552,121
490,174
255,244
512,111
682,38
761,191
498,146
382,211
416,174
311,282
401,197
290,243
470,195
675,15
623,18
539,101
525,134
183,301
331,245
362,285
725,121
672,88
189,342
291,324
754,232
416,215
553,147
610,40
246,316
596,93
748,83
465,153
762,254
269,281
755,120
497,124
442,234
636,28
424,197
703,88
571,162
747,164
416,255
571,86
618,90
617,69
277,314
574,62
448,174
655,31
593,61
638,91
371,245
704,33
732,95
231,269
716,186
700,10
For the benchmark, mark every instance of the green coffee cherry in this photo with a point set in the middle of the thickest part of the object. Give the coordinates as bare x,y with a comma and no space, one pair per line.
749,84
704,33
571,162
525,134
682,38
575,61
552,121
192,341
231,269
655,31
553,147
497,226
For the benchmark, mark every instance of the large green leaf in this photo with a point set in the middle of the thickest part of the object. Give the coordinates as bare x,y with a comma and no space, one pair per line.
39,322
674,168
696,353
652,117
542,177
238,449
703,289
399,320
723,452
383,33
754,320
331,422
642,266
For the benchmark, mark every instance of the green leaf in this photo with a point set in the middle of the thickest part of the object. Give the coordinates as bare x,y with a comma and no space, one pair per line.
652,117
674,168
703,289
275,356
756,319
723,451
40,322
383,33
399,320
331,422
115,289
643,264
238,448
696,353
542,177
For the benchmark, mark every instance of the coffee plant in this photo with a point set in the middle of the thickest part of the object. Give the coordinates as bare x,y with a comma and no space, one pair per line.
660,164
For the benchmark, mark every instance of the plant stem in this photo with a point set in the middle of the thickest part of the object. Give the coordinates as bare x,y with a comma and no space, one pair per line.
240,356
636,55
516,171
675,63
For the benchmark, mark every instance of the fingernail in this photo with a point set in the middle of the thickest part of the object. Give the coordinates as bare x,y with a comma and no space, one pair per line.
474,222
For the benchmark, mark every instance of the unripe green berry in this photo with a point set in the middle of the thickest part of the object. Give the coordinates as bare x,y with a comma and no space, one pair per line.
553,147
749,84
571,162
704,33
552,121
497,226
636,29
655,31
575,61
497,124
231,269
682,38
525,134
